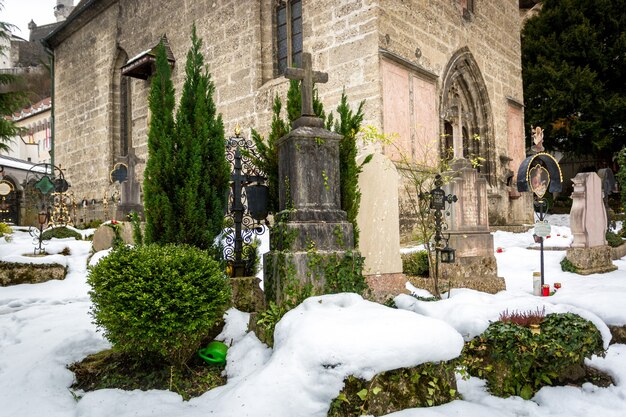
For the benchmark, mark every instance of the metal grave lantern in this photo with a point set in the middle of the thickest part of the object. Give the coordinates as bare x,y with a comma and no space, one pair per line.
448,255
248,205
37,234
258,201
540,174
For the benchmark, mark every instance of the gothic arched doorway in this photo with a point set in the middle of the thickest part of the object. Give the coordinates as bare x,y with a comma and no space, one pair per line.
466,114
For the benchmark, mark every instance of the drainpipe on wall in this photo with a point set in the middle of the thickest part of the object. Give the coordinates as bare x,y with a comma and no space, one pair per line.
52,128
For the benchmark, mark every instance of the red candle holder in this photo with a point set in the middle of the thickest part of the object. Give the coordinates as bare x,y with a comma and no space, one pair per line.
545,290
499,250
557,285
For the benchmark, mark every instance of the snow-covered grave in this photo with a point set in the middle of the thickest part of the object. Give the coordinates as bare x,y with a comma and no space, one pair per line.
44,327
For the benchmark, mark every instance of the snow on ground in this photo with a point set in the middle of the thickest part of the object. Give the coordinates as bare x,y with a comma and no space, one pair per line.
44,327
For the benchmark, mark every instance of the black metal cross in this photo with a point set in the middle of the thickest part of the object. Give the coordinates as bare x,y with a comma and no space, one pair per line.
308,78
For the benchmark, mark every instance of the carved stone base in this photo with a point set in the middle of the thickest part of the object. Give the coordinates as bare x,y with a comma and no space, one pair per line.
285,272
594,260
475,272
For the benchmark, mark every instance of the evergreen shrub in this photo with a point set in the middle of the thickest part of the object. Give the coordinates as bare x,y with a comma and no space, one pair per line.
61,233
568,266
5,229
516,362
613,239
415,263
158,301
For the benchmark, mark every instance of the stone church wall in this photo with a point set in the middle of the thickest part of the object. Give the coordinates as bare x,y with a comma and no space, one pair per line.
82,105
426,34
345,36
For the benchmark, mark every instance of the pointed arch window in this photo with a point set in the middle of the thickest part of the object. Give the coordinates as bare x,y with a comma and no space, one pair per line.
288,34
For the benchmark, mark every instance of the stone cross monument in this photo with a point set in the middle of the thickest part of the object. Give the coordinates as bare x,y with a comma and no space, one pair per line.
308,78
309,197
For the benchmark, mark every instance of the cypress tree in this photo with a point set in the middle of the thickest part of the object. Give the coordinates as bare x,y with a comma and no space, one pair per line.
266,159
200,136
348,125
159,188
187,175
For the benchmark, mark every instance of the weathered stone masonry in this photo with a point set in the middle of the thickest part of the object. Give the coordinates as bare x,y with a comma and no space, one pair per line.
352,40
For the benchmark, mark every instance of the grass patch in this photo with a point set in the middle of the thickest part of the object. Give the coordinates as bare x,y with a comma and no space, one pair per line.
112,369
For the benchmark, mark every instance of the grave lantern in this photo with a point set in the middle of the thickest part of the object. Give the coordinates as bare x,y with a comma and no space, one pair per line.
447,255
42,218
258,196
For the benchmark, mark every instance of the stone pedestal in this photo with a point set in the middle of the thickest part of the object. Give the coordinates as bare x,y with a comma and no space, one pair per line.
594,260
468,226
589,252
313,230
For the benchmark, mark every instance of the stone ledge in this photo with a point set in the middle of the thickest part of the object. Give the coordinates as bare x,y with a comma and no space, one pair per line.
385,286
618,333
618,252
587,261
490,285
12,273
425,385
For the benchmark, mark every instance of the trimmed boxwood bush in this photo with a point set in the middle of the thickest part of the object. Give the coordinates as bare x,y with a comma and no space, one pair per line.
415,263
61,233
516,362
158,302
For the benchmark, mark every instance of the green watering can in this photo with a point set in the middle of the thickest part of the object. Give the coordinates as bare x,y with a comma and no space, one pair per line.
214,353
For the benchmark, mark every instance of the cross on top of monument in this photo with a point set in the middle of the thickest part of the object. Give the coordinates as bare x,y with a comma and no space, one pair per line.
308,78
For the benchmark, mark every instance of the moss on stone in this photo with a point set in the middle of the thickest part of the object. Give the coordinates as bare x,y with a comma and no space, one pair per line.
13,273
425,385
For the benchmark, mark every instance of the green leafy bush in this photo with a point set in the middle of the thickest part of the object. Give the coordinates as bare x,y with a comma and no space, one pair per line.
61,233
415,263
613,239
516,362
568,266
158,301
5,229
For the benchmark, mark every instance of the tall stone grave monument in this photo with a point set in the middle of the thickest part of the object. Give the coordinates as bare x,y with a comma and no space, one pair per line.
589,252
311,227
468,226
